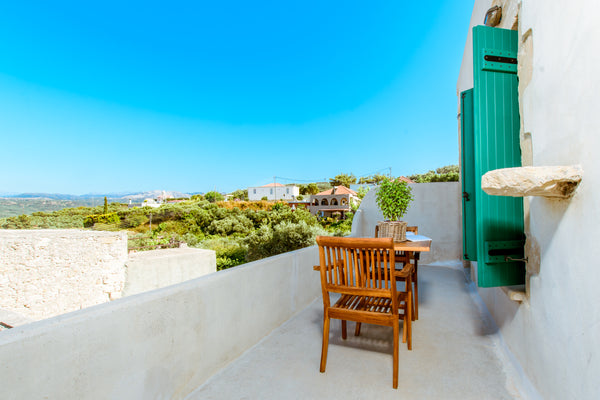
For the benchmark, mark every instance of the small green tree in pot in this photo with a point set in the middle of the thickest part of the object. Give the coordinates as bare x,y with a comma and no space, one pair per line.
393,198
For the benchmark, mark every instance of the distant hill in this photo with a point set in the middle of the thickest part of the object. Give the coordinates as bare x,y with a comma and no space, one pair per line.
27,203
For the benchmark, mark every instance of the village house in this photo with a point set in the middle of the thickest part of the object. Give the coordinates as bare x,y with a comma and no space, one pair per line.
273,191
338,199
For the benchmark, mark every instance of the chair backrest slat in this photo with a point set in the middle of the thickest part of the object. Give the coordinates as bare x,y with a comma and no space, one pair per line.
357,265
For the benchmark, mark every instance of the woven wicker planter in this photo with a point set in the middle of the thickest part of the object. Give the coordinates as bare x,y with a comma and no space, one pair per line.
393,229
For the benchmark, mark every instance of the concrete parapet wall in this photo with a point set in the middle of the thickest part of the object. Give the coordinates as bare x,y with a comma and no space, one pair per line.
159,344
150,270
49,272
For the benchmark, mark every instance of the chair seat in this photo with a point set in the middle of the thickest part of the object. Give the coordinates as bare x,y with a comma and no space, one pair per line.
381,305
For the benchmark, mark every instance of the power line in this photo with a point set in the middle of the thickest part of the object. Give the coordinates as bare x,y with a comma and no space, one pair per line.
326,179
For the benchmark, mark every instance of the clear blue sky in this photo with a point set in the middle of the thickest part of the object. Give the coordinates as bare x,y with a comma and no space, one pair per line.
191,96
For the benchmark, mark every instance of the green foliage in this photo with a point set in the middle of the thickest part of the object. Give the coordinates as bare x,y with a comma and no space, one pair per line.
213,196
449,173
338,227
287,236
342,179
264,198
222,226
377,178
311,188
300,197
229,252
362,192
240,194
105,211
197,197
231,225
393,198
110,218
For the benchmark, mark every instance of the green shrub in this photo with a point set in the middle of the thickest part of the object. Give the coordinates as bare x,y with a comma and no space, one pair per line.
230,252
286,236
91,220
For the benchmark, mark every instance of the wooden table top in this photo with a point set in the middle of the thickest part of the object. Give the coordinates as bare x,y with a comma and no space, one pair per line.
416,243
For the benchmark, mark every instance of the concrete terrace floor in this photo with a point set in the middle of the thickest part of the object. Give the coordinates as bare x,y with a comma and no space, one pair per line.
455,354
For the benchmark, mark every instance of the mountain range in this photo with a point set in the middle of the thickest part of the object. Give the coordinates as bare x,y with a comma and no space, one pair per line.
153,194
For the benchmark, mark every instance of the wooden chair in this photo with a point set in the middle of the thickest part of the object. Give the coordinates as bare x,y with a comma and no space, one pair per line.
415,277
402,258
362,270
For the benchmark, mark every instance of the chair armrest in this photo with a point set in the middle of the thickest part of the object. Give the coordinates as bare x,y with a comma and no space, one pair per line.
405,272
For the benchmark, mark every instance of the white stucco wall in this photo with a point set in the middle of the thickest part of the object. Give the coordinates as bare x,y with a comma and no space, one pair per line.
161,344
148,270
555,333
436,210
273,193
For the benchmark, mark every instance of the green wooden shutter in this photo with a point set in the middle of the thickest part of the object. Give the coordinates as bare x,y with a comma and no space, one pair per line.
467,172
499,219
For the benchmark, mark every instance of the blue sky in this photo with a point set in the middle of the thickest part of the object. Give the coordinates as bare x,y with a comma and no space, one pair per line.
193,96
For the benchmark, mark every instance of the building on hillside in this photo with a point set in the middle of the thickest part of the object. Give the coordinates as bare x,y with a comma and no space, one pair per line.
338,199
273,191
528,123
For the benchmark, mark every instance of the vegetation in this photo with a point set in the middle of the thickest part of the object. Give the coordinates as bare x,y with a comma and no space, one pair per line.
449,173
343,180
376,179
393,198
213,196
238,231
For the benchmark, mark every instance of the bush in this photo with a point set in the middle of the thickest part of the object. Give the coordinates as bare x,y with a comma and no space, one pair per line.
233,224
229,252
284,237
91,220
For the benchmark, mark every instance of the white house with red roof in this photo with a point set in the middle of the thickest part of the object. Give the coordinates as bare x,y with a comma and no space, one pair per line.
274,191
337,199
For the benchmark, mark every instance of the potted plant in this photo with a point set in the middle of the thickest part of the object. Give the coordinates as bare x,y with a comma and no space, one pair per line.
393,198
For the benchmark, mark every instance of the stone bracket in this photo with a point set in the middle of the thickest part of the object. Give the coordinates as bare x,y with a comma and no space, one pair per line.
556,182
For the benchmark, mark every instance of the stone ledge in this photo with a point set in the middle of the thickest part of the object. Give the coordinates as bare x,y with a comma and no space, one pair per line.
515,293
558,182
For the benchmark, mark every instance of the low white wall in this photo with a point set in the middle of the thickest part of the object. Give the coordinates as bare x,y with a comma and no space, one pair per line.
154,269
159,344
53,271
436,210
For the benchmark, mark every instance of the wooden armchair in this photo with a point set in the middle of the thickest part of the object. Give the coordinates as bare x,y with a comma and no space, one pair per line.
362,270
403,258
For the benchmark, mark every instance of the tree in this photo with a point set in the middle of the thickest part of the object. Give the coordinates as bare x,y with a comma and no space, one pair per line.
448,173
240,194
105,205
377,178
343,180
213,196
311,188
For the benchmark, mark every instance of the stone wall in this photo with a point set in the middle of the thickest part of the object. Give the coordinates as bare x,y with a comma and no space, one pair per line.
44,273
49,272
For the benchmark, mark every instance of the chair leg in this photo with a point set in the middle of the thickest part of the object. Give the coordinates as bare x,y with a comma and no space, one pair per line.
357,329
325,343
416,289
396,347
344,332
404,316
409,321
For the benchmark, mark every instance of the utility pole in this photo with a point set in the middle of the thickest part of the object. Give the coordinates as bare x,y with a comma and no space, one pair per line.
390,172
275,187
